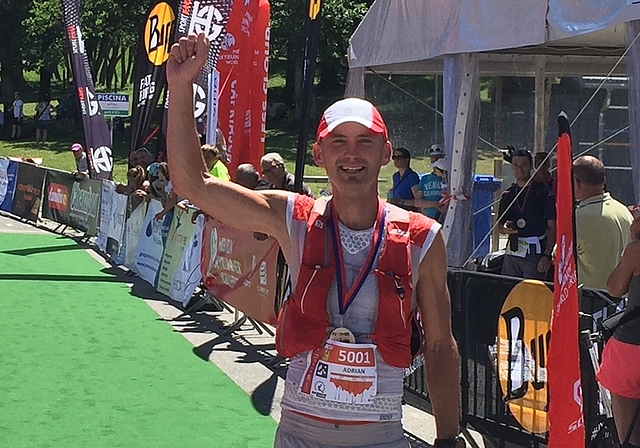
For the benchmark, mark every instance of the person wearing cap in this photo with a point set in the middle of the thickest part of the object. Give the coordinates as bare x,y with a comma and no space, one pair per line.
431,197
82,166
405,181
435,152
527,214
360,268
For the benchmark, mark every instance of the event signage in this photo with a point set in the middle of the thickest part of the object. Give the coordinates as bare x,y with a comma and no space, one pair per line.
84,205
149,72
240,269
180,234
28,191
243,67
57,195
209,17
565,383
114,104
521,353
96,131
150,245
8,173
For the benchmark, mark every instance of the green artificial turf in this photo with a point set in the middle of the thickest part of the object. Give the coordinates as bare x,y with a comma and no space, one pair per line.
83,363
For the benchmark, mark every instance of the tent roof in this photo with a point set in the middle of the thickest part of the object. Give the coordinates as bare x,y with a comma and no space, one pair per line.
512,37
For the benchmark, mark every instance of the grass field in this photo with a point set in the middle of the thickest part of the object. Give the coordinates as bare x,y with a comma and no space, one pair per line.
283,139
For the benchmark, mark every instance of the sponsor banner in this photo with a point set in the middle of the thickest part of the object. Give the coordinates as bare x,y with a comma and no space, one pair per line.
240,269
235,66
84,205
209,17
521,352
113,208
133,229
8,175
180,233
189,275
57,196
150,245
149,73
108,190
28,191
565,383
259,78
96,131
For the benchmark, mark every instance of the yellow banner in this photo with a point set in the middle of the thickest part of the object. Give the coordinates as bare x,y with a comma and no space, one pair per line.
314,9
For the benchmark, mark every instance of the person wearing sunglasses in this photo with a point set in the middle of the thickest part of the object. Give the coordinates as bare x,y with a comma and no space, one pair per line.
405,181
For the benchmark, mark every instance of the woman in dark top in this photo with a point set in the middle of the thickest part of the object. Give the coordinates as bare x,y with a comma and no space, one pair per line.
620,368
405,181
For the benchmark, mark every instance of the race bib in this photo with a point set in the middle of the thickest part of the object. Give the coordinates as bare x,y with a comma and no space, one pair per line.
523,249
341,372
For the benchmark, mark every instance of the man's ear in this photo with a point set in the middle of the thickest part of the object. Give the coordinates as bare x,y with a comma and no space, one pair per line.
386,153
317,155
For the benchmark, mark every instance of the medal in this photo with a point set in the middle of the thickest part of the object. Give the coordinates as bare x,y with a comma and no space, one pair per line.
521,223
342,334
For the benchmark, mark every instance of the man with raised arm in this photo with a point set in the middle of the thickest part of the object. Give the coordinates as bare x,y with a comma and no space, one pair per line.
360,269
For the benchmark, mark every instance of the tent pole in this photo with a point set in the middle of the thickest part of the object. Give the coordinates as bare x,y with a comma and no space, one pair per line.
540,108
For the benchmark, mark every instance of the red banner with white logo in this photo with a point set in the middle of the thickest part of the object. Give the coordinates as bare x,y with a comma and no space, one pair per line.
566,422
239,268
259,78
243,66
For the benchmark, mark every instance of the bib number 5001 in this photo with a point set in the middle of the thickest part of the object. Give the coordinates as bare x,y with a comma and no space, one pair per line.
353,357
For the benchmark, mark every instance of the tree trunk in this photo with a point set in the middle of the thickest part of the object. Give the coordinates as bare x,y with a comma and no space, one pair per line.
45,83
329,81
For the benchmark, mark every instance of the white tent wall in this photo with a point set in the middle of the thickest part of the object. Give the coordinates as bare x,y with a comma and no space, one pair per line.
461,121
509,38
633,68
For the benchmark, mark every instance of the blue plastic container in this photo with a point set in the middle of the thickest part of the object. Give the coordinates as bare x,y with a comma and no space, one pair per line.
481,199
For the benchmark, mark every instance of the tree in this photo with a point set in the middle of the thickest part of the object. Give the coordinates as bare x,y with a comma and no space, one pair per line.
13,12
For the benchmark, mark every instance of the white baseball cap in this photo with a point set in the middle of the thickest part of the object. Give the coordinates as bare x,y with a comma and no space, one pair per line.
354,110
441,164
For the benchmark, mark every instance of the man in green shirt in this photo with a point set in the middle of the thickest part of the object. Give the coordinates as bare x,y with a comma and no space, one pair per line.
602,224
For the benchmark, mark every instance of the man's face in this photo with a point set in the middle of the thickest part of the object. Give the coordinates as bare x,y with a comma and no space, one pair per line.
352,156
521,168
273,172
435,157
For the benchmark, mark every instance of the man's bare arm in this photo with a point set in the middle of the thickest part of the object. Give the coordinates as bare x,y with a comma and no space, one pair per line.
440,349
226,201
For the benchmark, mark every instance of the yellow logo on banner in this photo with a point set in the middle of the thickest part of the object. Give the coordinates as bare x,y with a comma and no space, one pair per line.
314,9
522,348
157,33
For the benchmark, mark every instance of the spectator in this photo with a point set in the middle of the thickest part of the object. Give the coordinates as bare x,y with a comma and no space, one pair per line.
431,195
371,316
82,166
43,117
163,190
213,155
247,175
141,157
602,224
435,153
618,372
405,181
18,116
275,172
527,214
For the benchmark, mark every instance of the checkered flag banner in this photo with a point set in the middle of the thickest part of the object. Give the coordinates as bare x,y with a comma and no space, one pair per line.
205,16
96,131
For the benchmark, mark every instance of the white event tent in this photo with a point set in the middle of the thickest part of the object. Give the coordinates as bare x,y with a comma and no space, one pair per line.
462,39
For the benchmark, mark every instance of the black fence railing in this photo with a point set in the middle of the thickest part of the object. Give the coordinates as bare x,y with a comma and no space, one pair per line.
503,403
